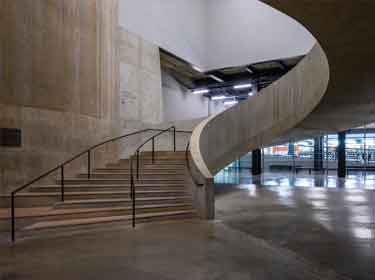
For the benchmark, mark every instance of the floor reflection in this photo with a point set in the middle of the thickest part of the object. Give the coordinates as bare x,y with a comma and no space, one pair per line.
324,219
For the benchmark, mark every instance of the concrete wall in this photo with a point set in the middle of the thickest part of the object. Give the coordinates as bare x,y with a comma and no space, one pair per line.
57,82
70,77
140,79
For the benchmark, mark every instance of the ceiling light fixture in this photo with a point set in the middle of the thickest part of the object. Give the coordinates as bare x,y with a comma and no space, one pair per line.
231,102
217,79
251,93
201,91
243,86
218,97
249,70
197,68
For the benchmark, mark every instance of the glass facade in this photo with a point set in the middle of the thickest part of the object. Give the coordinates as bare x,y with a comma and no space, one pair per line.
320,154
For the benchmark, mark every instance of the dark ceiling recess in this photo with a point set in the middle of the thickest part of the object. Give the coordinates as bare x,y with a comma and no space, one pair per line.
221,81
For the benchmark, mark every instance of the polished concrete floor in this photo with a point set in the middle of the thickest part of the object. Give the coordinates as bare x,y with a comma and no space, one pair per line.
180,250
260,232
334,228
328,221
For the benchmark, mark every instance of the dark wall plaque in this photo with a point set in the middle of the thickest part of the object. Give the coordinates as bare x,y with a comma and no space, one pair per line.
10,137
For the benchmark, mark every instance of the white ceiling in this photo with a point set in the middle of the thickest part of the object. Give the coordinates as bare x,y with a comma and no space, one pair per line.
214,34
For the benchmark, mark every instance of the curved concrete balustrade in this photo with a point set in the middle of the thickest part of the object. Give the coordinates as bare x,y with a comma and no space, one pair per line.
220,139
345,31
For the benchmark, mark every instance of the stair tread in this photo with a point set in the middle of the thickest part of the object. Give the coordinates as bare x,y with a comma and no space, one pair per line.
128,173
118,179
148,167
78,201
114,185
23,212
48,211
88,221
97,192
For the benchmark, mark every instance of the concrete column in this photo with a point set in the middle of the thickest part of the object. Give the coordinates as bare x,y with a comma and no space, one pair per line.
341,156
318,153
257,162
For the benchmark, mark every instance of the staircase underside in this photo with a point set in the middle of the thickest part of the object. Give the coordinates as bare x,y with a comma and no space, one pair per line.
345,30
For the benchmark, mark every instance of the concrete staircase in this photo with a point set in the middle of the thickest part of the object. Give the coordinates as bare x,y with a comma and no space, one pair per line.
104,199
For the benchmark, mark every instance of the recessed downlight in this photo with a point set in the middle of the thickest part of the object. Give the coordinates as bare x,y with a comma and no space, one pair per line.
201,91
218,97
242,86
217,79
231,102
196,68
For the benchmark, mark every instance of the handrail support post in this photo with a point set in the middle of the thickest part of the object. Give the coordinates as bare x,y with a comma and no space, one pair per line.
153,150
62,184
137,164
174,139
88,164
133,207
13,219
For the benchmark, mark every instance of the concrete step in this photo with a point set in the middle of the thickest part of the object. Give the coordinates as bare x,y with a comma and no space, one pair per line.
119,194
38,199
147,165
144,170
94,181
122,202
143,175
161,157
91,223
148,160
165,153
178,157
110,187
28,216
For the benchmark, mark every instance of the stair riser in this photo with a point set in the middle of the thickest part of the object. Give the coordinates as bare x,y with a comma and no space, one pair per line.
119,181
79,228
161,160
94,188
49,200
27,202
145,171
23,222
161,156
156,163
148,165
127,176
122,203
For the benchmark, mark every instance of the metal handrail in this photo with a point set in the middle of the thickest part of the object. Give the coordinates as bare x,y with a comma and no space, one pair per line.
137,156
61,167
